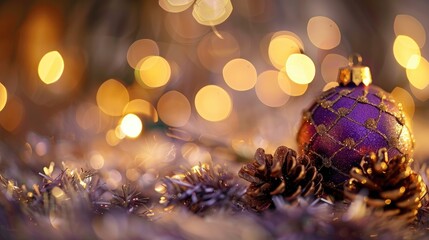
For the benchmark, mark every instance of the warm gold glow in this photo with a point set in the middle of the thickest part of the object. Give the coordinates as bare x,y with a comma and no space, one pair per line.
406,52
12,114
290,87
300,68
323,32
195,154
51,67
3,96
280,48
240,74
174,109
140,106
111,138
418,77
112,97
330,65
211,12
131,125
213,103
410,26
96,161
268,90
175,6
140,49
402,96
153,72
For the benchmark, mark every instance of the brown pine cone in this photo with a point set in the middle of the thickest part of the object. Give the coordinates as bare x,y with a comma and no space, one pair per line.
282,174
392,187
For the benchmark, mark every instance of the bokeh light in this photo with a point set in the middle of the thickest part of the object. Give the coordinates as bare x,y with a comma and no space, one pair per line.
406,52
174,109
268,89
410,26
131,125
96,161
300,68
240,74
175,6
323,32
212,12
153,72
213,103
3,96
419,77
140,49
403,97
290,87
330,65
51,67
112,97
280,48
12,114
141,106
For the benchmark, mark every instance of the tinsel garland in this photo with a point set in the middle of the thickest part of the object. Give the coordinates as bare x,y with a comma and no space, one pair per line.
73,204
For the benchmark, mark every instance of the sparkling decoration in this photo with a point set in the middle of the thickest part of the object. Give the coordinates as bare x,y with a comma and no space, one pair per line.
389,185
282,175
349,121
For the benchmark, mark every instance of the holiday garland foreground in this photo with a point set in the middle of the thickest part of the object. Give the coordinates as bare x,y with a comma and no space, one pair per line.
283,200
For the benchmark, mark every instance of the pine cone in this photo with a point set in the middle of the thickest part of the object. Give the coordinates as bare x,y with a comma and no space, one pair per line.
282,174
392,186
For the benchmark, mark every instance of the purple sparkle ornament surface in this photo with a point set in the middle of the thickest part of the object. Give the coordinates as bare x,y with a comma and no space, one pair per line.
347,122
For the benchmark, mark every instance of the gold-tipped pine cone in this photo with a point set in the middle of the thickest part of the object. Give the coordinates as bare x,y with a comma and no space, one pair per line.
282,174
389,186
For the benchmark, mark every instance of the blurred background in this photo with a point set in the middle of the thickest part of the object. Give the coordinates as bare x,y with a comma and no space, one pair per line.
137,88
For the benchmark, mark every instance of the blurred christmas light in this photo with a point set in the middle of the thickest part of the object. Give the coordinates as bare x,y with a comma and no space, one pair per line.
112,106
3,96
280,48
290,87
410,26
132,174
300,68
174,109
323,32
140,106
240,74
12,114
330,65
140,49
213,103
113,179
51,67
96,161
195,154
406,52
403,96
420,94
153,72
418,76
175,6
183,28
131,125
111,138
211,12
268,89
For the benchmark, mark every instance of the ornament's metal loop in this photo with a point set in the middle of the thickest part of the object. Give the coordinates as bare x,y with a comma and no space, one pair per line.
355,72
353,57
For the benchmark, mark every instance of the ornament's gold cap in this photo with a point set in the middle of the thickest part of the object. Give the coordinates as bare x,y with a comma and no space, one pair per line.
354,73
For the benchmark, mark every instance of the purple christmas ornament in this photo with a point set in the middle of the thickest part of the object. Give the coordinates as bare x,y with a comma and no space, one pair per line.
349,121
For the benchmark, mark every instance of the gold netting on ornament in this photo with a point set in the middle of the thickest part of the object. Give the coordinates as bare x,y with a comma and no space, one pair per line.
342,113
